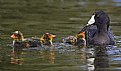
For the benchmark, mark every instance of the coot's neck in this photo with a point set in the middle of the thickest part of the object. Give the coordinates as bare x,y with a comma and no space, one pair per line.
102,28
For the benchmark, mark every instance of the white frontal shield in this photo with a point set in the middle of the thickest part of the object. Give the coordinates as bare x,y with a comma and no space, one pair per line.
92,20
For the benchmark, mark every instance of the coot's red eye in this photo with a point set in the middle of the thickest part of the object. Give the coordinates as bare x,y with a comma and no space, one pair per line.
97,16
93,14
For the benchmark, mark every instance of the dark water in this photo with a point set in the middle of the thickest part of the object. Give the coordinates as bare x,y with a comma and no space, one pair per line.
63,18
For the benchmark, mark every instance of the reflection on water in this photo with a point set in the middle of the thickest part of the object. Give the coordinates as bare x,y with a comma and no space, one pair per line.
52,56
101,61
104,58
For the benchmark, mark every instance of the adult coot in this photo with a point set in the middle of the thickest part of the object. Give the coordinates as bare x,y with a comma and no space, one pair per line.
97,29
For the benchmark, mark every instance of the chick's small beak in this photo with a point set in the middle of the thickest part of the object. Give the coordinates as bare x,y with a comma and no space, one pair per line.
53,36
82,34
13,36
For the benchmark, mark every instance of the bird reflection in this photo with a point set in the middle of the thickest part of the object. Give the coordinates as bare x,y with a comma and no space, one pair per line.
101,59
83,55
52,55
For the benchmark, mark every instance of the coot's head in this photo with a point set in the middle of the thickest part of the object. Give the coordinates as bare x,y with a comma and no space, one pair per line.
81,41
47,38
17,35
99,18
